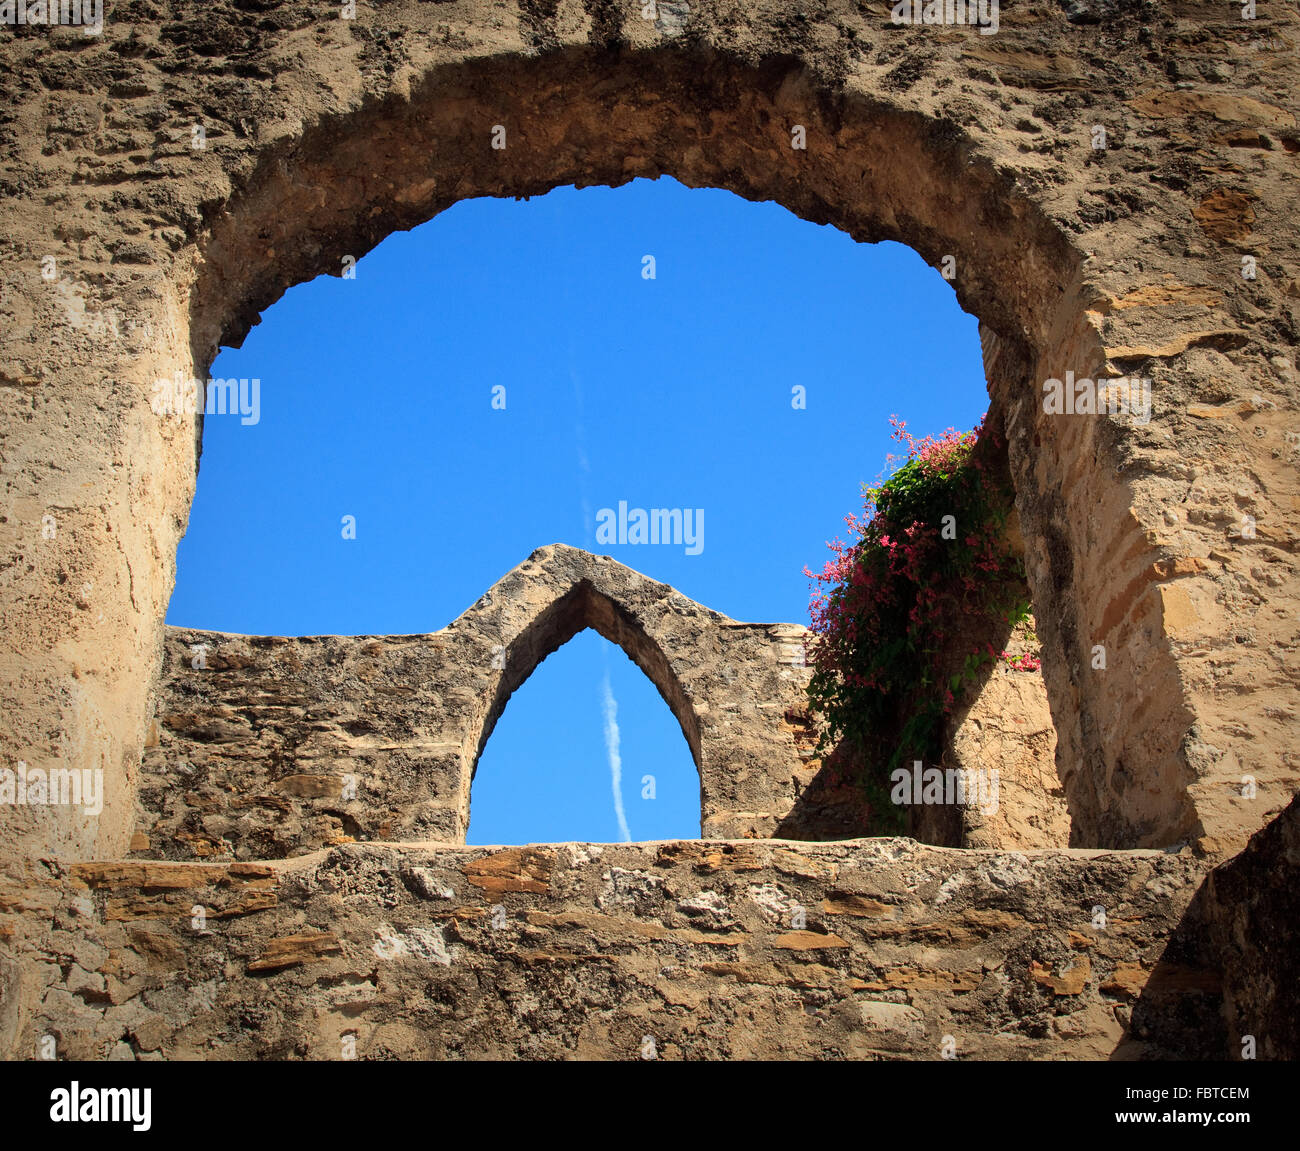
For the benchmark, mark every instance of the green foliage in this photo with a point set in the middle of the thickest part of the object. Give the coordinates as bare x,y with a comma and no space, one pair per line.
929,560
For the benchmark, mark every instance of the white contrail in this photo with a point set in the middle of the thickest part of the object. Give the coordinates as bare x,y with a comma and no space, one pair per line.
610,707
608,704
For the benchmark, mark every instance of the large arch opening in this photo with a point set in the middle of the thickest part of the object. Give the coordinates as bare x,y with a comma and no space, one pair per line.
877,172
500,375
663,390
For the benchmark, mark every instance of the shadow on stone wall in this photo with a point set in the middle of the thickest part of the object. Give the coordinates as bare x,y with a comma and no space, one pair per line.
1237,944
1177,1012
833,805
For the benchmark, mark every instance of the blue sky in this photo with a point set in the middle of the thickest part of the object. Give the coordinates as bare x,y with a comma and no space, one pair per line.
376,402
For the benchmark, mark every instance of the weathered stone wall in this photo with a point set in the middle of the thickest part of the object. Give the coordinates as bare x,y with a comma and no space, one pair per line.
276,746
1247,913
1005,733
866,949
265,747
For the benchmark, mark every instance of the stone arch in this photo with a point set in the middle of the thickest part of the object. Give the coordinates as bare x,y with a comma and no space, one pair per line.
341,182
873,167
585,115
326,135
578,609
294,744
730,685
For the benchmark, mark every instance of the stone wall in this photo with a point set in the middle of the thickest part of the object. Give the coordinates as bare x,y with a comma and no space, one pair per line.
1005,733
265,747
276,746
1247,913
866,949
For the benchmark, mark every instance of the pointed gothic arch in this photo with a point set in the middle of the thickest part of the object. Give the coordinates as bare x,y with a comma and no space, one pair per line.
730,685
583,606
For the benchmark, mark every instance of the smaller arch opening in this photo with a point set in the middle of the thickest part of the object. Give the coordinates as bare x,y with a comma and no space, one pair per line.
580,608
623,777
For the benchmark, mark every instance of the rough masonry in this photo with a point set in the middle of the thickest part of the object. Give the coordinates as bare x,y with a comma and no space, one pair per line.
246,744
1163,247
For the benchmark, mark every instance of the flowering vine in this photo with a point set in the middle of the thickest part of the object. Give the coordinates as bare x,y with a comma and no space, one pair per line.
926,558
